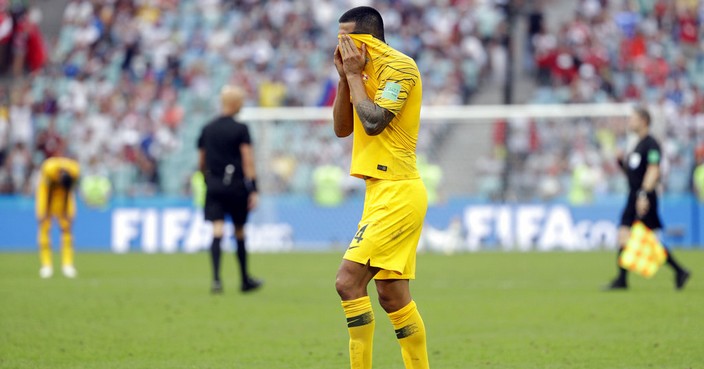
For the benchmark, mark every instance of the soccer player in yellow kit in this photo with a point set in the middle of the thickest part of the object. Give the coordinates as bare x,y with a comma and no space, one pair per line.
55,199
378,101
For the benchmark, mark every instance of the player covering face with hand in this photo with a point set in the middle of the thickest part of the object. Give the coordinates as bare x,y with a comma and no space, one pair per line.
378,102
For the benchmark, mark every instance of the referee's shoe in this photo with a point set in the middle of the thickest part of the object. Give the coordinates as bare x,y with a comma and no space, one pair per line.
681,278
251,284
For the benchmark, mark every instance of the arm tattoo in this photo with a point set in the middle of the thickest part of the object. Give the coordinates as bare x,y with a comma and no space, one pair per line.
373,117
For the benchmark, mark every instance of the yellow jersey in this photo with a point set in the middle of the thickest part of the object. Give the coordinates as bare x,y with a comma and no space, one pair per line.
392,81
52,199
52,167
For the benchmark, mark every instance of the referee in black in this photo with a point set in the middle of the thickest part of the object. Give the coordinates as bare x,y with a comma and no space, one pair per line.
226,160
642,167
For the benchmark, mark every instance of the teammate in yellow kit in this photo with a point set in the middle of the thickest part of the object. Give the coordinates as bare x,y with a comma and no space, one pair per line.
378,101
55,199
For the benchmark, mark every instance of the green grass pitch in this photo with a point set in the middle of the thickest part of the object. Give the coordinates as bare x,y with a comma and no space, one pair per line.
484,310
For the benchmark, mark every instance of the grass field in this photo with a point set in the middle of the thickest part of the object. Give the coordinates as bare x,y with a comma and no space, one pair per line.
485,310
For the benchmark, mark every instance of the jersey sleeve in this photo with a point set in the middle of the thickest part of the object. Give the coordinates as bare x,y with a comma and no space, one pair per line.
246,138
200,143
396,79
653,153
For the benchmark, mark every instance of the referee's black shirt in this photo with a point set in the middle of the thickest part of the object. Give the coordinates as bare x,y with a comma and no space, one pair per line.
220,139
636,164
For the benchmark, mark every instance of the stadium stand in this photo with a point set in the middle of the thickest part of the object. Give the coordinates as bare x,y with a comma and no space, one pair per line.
642,52
128,84
132,83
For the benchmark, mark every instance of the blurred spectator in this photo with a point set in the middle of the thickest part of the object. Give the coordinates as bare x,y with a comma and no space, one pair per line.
328,191
19,167
4,129
27,49
77,12
49,141
21,118
6,26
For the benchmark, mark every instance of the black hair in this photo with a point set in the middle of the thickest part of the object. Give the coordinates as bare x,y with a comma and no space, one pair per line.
366,20
643,114
66,180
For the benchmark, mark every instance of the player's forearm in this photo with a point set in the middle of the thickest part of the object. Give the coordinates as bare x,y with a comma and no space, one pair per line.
650,180
374,119
248,168
621,164
201,161
343,120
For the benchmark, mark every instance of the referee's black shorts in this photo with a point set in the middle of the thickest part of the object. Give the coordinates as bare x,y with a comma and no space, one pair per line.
232,203
651,219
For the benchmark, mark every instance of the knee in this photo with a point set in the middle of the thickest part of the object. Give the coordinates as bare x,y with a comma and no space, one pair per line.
218,228
347,288
44,225
342,286
239,231
66,226
389,302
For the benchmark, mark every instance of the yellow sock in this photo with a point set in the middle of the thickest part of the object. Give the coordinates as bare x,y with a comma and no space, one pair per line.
66,249
410,332
44,243
360,324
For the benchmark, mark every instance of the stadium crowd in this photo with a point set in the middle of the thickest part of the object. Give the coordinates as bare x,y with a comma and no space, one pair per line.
127,84
131,81
648,52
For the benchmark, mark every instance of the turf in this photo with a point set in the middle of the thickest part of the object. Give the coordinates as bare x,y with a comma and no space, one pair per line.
485,310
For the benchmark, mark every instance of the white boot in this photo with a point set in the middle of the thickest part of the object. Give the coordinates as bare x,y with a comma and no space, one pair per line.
69,271
46,272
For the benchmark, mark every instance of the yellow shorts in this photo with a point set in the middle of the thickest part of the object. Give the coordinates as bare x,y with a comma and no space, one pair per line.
388,234
55,202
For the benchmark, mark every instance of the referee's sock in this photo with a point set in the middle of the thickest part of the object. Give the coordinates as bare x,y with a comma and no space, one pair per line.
215,252
242,259
673,263
622,272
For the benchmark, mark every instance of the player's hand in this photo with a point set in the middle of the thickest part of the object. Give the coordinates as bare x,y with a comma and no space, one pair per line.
620,154
252,200
642,206
621,158
338,62
353,59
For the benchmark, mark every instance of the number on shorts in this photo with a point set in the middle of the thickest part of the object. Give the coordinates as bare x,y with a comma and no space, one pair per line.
360,233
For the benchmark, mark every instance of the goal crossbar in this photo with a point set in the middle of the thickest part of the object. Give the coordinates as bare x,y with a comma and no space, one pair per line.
463,112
